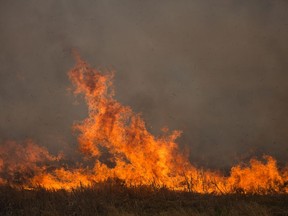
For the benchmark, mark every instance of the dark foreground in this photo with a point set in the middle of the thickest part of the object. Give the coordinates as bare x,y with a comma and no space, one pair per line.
115,199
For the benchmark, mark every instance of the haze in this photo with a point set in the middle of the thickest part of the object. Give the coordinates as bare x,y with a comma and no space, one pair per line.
217,70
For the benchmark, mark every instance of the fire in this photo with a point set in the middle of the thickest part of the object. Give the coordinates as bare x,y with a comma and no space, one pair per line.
132,153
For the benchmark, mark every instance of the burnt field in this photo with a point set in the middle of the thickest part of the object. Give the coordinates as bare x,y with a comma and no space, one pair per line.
113,198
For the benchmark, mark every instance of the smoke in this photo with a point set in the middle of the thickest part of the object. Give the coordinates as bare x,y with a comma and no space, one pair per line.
215,70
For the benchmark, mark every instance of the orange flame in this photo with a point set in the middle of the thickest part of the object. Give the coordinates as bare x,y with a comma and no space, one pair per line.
131,153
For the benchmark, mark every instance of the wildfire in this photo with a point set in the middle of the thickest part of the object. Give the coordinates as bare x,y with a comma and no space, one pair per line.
134,155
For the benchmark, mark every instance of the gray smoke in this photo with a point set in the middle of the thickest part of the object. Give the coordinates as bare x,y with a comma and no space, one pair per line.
217,70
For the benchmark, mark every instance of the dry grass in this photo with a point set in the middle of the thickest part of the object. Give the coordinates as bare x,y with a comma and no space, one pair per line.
113,198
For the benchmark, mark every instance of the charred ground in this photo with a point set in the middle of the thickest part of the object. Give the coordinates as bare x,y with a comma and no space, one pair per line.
113,198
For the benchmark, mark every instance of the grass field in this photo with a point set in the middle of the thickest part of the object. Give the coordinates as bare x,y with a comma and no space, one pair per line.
114,198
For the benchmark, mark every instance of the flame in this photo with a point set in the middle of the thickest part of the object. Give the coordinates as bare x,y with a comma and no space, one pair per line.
122,148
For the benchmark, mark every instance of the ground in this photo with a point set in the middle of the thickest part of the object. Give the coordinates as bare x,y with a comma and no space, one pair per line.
116,199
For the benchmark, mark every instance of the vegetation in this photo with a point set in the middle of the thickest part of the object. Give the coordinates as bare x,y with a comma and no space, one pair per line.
113,198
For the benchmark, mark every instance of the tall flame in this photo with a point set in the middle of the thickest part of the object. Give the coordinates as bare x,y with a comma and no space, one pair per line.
122,148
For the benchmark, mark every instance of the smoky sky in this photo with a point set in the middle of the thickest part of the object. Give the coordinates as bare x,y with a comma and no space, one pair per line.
216,70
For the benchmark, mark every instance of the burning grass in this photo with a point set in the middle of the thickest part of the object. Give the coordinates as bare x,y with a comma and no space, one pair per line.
114,198
133,154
